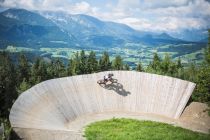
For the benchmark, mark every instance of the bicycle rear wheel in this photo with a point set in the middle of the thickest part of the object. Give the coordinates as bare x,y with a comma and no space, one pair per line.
114,80
100,82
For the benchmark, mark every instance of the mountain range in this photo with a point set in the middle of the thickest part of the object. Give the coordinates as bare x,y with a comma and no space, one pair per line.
35,29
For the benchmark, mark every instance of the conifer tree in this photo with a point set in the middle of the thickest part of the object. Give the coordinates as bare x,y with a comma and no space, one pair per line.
165,65
77,63
179,63
117,63
92,63
155,65
83,63
191,72
139,67
58,68
202,92
179,69
207,51
38,71
50,70
24,85
104,62
172,70
126,67
156,62
71,69
23,68
7,84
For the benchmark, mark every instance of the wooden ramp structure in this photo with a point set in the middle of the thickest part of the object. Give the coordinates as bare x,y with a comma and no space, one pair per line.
49,109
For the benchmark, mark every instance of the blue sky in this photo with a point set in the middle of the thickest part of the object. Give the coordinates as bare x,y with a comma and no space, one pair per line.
149,15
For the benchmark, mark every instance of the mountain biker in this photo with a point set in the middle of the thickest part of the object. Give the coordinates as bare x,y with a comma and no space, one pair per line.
108,77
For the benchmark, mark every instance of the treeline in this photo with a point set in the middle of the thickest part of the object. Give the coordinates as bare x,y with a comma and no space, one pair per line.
16,78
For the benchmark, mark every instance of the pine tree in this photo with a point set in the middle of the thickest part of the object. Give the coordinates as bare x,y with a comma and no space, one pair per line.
179,69
139,67
34,72
83,63
24,85
117,63
38,71
74,65
191,73
126,67
156,62
58,68
202,92
172,70
104,62
77,63
207,51
23,68
155,65
179,64
165,65
50,70
7,84
92,63
71,69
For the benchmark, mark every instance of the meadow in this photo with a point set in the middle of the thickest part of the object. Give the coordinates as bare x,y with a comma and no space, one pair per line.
130,129
131,53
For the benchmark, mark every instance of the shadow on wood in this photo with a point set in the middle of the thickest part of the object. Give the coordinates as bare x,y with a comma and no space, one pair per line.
118,88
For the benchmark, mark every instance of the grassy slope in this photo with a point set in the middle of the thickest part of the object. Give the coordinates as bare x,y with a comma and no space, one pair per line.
129,129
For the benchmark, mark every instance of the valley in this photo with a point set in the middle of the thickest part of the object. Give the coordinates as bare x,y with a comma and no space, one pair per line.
131,53
60,35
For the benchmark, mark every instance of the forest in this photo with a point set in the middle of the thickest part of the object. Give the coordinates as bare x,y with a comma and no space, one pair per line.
15,78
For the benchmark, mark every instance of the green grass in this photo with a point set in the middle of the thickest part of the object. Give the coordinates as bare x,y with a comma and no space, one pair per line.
130,129
130,52
18,49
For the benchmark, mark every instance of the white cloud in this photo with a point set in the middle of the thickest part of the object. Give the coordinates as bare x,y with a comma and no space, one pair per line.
52,5
35,4
81,7
165,24
197,8
164,3
136,23
128,3
170,16
173,24
151,15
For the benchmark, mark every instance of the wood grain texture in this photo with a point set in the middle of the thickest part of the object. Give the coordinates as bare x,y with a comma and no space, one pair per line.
55,103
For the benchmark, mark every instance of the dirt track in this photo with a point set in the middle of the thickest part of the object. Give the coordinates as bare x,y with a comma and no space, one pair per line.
196,116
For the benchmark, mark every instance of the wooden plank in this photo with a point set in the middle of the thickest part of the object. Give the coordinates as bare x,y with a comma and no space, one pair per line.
53,104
